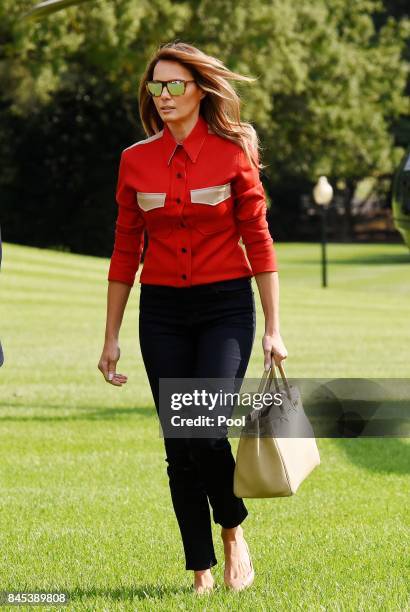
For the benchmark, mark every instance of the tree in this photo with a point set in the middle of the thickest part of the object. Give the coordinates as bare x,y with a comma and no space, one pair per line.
331,84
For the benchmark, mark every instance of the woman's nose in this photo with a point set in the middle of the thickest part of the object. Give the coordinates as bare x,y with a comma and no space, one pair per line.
165,93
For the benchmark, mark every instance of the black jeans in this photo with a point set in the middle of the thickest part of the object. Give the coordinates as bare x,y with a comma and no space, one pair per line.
199,331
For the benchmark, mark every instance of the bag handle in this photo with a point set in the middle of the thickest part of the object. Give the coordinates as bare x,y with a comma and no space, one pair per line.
266,381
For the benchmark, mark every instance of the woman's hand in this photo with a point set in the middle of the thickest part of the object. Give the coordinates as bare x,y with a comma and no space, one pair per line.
274,349
108,362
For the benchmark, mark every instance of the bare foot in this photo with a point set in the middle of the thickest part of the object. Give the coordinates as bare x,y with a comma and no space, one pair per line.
203,581
239,573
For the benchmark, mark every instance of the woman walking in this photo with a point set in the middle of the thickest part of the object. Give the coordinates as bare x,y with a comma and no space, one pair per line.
194,185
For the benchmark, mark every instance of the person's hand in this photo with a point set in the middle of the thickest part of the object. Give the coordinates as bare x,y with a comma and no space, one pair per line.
274,349
108,362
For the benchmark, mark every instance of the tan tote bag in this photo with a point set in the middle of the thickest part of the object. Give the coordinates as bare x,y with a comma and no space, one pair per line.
268,465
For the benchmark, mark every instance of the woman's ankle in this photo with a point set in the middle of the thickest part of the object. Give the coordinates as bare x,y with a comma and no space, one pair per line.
232,534
203,572
203,579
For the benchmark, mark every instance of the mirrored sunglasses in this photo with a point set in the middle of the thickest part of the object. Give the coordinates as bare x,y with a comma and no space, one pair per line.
175,87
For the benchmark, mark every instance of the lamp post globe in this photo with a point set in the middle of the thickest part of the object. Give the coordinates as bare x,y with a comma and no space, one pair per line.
323,191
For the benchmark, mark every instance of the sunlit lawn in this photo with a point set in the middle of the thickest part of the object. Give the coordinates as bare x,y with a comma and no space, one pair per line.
85,505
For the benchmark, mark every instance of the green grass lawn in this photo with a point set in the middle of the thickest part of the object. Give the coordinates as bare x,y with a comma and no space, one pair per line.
85,505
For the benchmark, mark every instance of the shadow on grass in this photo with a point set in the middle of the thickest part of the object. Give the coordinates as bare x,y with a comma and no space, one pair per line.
380,455
82,415
375,259
143,591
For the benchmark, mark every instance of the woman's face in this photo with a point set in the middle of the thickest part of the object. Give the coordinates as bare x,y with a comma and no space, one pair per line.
180,107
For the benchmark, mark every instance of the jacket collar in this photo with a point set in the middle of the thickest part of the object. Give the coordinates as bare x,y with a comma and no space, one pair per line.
192,143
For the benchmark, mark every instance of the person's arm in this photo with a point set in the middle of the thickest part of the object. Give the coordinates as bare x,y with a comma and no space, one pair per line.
250,215
125,260
117,298
272,343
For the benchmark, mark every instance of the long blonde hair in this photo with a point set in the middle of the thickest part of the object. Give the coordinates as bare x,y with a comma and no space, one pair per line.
220,107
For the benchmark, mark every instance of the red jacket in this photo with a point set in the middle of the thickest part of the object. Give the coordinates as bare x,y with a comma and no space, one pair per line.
196,201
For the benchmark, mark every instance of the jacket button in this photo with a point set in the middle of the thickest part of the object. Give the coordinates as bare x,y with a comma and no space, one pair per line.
183,249
179,175
178,200
182,224
183,276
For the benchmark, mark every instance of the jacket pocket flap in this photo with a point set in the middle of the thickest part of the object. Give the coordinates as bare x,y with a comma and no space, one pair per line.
211,195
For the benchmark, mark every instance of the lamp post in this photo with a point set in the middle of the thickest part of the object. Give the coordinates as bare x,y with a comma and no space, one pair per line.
322,194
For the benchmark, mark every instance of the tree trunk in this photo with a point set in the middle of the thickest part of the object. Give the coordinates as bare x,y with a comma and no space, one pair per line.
348,220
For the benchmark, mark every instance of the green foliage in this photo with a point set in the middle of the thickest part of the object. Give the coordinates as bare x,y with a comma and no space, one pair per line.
329,85
113,38
331,75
